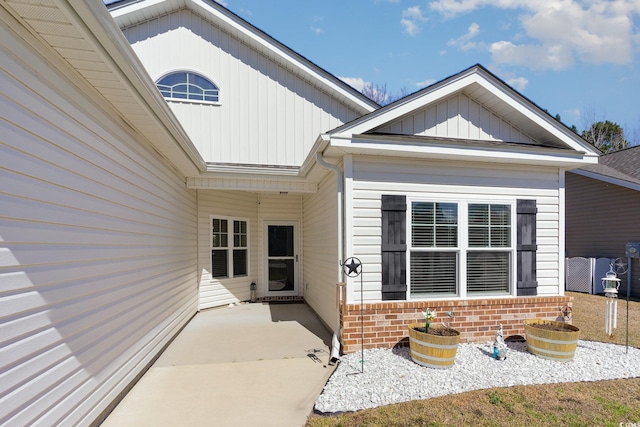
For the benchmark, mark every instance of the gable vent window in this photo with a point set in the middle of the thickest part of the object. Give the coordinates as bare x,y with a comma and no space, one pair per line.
184,85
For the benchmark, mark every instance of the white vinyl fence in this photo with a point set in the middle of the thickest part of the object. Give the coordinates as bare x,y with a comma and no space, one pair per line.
585,274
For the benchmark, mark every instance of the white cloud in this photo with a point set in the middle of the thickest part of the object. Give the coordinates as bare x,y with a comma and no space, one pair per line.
557,57
410,27
355,82
425,83
557,33
411,18
317,30
518,83
464,42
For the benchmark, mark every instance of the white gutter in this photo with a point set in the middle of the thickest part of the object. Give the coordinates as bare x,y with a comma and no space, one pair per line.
340,191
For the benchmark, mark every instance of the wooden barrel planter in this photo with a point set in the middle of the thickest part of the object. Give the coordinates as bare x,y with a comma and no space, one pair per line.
551,340
433,351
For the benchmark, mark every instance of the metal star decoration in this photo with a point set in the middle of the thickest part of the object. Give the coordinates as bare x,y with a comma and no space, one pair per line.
353,266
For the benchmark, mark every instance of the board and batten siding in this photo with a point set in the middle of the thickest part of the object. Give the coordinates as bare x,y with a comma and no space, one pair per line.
374,177
97,253
601,219
321,251
266,114
256,208
458,116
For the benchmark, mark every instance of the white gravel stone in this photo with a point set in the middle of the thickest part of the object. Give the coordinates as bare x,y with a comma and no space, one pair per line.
390,376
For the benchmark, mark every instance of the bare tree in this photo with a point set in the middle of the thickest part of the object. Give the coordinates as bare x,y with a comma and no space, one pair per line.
376,93
606,136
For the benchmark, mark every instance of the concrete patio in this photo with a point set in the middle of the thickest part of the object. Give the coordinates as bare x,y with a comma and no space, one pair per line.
245,365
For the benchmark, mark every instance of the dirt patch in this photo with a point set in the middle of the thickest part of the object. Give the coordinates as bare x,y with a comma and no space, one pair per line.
441,332
552,327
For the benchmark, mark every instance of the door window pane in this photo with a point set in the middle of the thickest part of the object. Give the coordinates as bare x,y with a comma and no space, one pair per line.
280,241
281,275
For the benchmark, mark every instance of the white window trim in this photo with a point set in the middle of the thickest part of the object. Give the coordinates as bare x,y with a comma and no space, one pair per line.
191,101
463,243
229,246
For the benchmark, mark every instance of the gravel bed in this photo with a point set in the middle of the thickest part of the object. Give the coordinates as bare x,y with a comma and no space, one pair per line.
389,376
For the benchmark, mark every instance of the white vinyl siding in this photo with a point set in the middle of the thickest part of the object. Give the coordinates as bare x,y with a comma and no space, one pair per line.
98,239
421,180
458,116
253,208
320,248
268,115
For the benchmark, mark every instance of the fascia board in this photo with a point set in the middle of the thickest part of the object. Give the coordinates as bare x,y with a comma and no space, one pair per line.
283,53
543,120
96,22
385,115
459,153
607,179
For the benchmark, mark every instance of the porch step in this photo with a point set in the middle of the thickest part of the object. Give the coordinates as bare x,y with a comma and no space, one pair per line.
283,299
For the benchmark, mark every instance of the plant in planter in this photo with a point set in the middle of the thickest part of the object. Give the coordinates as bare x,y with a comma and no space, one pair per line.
436,346
550,339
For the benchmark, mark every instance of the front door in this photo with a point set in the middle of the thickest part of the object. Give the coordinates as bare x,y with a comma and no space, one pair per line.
281,259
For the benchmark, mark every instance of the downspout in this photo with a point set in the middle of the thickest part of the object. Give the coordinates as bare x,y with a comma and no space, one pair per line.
335,342
340,191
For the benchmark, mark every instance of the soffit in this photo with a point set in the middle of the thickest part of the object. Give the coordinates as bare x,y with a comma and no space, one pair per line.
85,42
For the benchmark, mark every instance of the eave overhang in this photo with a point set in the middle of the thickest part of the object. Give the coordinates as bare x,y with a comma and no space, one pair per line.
461,150
82,41
257,178
608,179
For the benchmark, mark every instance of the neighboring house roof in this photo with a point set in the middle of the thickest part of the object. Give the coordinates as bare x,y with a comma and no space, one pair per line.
131,12
620,168
472,115
86,43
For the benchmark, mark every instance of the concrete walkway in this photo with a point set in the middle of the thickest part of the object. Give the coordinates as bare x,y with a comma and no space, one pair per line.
246,365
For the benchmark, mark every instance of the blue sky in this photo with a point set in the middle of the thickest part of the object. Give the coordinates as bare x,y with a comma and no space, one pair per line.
579,59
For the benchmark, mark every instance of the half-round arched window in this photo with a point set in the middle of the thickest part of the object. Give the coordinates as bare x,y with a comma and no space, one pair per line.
188,85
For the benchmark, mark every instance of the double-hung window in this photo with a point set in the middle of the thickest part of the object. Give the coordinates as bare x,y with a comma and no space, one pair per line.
460,248
229,250
489,250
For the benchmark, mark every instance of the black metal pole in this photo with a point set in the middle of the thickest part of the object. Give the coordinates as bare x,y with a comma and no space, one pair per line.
361,323
628,293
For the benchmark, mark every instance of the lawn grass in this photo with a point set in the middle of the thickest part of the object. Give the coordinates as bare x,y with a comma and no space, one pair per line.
601,403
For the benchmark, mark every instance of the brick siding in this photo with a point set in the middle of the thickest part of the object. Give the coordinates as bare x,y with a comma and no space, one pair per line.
385,323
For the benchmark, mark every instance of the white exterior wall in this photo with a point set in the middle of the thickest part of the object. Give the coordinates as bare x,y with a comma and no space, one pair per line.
373,177
321,251
266,114
458,116
255,208
97,252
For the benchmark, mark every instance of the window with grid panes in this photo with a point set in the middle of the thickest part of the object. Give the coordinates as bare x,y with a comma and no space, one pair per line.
229,248
438,242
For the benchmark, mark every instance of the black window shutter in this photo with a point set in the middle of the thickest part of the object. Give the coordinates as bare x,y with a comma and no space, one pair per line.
527,284
394,247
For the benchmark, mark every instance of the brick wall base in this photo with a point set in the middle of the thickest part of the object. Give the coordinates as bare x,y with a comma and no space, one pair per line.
385,323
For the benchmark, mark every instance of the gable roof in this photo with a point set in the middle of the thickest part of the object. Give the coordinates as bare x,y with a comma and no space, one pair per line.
541,138
127,13
619,168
